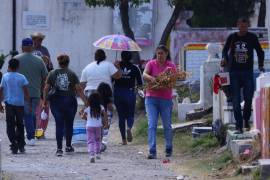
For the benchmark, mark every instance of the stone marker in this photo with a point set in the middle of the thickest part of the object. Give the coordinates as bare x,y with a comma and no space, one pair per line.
248,169
264,165
239,146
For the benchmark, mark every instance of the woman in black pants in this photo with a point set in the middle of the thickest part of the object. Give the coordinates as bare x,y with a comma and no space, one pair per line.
125,96
63,103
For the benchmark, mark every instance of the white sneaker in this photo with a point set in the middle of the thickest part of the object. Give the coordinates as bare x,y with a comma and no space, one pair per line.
30,142
98,156
92,159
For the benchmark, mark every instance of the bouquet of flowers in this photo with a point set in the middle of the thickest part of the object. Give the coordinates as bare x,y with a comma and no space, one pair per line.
167,79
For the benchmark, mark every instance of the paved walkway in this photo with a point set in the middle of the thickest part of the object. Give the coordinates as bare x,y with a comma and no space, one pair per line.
118,162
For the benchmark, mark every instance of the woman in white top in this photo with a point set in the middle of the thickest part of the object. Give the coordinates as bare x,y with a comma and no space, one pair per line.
97,72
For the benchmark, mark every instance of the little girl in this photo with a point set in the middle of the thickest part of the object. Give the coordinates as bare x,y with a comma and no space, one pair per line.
105,92
96,119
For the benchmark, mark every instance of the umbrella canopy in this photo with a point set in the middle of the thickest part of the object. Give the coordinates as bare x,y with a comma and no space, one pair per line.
117,42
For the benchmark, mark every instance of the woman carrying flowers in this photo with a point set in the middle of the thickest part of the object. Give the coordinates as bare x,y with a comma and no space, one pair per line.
159,75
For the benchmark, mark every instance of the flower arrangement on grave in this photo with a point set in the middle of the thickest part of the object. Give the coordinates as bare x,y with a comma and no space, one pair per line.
167,79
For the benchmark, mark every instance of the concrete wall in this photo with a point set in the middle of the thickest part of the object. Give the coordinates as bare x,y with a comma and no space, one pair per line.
268,15
73,27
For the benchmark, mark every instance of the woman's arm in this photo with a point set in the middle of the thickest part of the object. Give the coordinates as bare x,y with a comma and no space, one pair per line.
105,119
45,92
146,75
80,93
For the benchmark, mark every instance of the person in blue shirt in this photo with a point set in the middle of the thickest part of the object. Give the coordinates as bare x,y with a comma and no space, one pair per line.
13,92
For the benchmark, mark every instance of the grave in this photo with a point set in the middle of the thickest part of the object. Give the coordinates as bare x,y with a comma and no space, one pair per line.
207,71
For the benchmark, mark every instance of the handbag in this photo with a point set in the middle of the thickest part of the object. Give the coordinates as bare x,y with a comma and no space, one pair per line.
51,93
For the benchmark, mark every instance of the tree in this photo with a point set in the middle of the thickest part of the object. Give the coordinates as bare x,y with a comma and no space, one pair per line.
262,14
209,13
220,13
124,9
179,4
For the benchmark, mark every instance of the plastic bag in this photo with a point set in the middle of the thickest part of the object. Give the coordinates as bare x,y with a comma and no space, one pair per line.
43,115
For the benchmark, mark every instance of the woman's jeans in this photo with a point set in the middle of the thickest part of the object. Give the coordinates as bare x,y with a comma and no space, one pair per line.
155,107
125,100
64,109
238,80
30,117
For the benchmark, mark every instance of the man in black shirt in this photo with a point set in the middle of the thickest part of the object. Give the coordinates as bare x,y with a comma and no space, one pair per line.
238,57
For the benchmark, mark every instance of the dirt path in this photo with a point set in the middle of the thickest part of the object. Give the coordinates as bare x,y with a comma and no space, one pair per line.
118,162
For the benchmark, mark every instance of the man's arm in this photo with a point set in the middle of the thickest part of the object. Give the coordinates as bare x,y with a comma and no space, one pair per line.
26,94
260,54
225,50
1,99
83,85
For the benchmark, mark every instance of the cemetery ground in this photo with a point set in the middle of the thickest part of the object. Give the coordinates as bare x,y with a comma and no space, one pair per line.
193,159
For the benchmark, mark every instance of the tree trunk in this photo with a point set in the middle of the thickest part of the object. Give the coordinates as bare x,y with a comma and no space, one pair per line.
124,9
171,23
262,14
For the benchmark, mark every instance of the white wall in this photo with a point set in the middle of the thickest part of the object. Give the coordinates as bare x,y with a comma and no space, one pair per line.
161,15
268,16
6,26
73,30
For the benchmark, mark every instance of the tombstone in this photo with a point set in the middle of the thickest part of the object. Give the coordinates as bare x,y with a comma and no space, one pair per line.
209,68
224,110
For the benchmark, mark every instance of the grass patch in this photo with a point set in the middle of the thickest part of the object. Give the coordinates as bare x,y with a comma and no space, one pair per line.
141,127
205,142
256,175
222,160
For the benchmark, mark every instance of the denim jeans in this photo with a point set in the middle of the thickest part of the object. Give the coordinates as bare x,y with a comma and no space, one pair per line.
242,79
155,107
125,100
30,117
15,127
64,109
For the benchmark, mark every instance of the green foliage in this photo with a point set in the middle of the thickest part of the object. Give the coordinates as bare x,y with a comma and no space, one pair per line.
256,175
141,127
113,3
219,13
184,91
204,142
222,160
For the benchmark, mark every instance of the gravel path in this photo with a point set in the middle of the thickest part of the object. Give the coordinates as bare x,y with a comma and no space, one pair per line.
118,162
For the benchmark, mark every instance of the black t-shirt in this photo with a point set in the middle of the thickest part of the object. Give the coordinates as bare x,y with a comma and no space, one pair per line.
64,80
239,50
130,74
